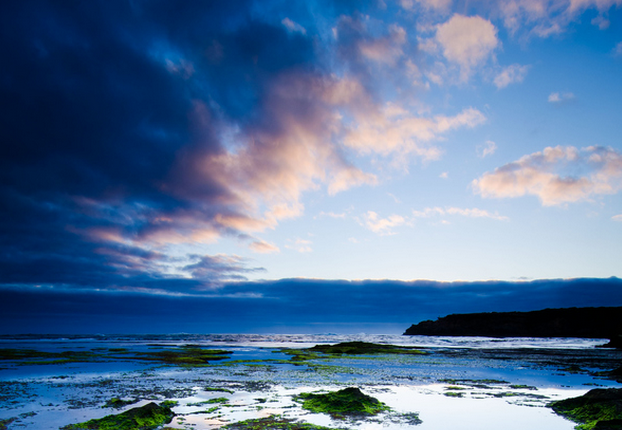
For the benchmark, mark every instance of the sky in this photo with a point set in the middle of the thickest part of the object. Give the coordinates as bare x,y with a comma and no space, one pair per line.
297,166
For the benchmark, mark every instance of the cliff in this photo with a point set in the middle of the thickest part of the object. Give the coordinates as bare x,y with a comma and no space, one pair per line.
605,322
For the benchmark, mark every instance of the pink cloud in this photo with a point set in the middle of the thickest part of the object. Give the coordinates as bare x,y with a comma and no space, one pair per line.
542,174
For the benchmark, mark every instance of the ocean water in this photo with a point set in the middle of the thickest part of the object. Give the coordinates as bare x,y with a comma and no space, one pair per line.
458,383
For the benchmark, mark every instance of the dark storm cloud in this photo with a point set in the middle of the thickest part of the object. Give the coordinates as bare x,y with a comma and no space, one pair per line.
292,305
105,105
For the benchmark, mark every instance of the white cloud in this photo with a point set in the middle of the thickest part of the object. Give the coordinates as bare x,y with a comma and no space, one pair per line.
617,218
293,26
467,41
444,175
382,226
486,149
560,97
552,175
511,74
617,51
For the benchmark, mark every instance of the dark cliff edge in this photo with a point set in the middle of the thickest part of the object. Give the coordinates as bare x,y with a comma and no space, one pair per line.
605,322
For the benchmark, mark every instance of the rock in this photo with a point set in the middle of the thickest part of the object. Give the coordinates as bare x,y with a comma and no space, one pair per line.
350,402
147,417
602,322
598,408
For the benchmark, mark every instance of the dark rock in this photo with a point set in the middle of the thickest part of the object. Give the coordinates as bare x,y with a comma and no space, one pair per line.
605,322
614,342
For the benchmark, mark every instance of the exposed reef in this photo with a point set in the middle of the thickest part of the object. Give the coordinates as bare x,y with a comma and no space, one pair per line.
349,402
274,422
597,409
148,417
602,322
348,349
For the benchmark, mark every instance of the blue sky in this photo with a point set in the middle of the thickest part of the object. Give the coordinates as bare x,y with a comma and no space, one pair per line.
215,149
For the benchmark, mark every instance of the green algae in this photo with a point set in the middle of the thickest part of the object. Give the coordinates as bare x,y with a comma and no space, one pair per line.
221,390
5,423
34,357
184,356
348,349
118,403
597,409
221,400
350,402
273,422
148,417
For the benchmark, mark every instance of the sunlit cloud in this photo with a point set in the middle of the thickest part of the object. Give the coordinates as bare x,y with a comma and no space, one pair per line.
263,247
386,49
556,175
397,132
510,75
467,41
617,218
486,149
381,226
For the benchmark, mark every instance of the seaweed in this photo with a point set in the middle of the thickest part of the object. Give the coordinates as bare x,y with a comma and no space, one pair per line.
350,401
5,423
274,422
118,403
146,417
597,409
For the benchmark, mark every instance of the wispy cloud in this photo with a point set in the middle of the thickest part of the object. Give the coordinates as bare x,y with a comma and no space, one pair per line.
560,97
300,245
263,247
617,51
382,226
617,218
486,149
465,212
293,26
510,75
551,175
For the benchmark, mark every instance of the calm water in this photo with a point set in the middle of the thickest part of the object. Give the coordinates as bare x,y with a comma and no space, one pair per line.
460,383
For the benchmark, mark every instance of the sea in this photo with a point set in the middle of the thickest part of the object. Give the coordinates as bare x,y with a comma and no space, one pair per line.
450,383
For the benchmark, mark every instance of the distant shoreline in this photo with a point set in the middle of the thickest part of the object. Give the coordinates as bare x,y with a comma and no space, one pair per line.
601,322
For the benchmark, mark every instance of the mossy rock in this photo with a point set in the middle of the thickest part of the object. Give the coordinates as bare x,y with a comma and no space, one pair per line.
272,423
148,417
117,403
597,409
350,402
5,423
364,348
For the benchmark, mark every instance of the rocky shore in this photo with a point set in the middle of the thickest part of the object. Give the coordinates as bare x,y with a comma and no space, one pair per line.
603,322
